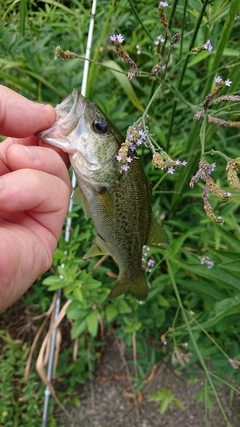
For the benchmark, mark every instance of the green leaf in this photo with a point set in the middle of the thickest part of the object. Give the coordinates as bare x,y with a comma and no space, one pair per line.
125,83
123,307
51,280
78,328
92,322
111,312
77,292
216,274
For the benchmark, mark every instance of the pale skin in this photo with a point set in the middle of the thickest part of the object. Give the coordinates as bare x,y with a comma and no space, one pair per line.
34,194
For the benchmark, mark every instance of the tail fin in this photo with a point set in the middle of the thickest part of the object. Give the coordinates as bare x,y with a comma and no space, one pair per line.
138,288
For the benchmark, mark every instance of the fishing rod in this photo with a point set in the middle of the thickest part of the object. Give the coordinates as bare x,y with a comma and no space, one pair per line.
47,391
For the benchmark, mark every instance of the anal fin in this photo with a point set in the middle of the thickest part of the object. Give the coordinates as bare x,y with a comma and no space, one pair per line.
157,236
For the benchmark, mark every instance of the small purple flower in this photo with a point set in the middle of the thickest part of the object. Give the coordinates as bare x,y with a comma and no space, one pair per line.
139,142
132,147
125,167
184,163
213,166
129,159
151,262
139,50
177,162
218,79
229,194
164,342
142,134
119,158
208,46
206,260
171,170
117,37
228,82
163,4
131,137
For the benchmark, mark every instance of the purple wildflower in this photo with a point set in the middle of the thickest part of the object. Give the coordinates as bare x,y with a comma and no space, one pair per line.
163,4
228,82
206,260
139,50
151,262
117,37
159,39
125,167
119,158
171,170
142,134
218,79
129,159
177,162
208,46
132,147
184,163
213,166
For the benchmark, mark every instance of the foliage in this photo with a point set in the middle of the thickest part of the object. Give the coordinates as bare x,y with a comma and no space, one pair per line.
188,302
20,402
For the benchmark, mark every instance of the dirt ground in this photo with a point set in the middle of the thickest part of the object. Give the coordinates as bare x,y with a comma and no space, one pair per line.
106,401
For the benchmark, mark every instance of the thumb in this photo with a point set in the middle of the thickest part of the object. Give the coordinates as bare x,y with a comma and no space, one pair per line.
20,117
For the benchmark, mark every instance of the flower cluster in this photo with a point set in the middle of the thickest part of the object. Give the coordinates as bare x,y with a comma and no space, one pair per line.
135,137
219,79
179,356
232,167
139,50
163,17
117,40
204,171
206,46
207,101
163,161
159,39
206,260
64,54
163,4
147,263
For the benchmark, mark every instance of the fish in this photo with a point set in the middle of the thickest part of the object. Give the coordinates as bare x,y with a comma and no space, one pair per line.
119,202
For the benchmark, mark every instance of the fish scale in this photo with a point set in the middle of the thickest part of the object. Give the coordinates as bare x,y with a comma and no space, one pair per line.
119,202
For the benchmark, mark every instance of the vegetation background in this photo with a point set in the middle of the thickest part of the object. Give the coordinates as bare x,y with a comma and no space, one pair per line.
191,316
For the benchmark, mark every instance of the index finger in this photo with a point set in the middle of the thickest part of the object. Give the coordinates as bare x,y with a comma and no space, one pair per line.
20,117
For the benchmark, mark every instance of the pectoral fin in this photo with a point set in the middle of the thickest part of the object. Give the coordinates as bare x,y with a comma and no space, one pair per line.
96,249
79,198
157,236
107,200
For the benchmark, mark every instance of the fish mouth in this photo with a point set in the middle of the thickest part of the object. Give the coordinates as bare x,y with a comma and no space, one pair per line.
69,113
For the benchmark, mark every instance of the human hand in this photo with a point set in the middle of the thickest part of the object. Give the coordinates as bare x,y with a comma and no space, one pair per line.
34,194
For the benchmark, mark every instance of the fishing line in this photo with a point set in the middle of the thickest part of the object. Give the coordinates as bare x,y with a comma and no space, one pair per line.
68,225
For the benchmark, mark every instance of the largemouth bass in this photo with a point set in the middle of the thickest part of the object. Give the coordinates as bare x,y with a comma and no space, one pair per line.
119,203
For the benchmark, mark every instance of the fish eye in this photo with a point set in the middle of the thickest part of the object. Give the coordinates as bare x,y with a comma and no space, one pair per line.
100,126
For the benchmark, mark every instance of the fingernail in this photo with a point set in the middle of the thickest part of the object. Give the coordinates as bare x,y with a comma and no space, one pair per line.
32,152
